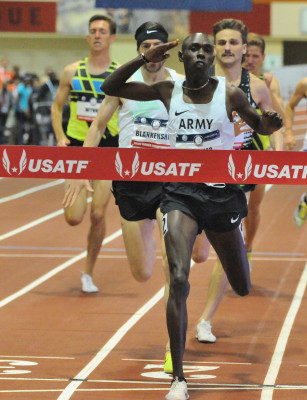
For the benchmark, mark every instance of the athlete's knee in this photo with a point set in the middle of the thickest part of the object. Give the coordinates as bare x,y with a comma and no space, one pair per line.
97,217
179,284
199,256
141,275
73,220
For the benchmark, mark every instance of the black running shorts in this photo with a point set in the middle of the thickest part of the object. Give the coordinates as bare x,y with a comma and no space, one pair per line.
216,209
110,141
137,200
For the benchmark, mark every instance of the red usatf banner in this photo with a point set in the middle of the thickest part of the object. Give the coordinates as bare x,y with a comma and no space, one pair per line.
173,165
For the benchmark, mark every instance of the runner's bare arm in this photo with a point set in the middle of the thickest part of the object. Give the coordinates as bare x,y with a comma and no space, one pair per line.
265,124
116,85
59,101
264,99
98,126
298,95
94,134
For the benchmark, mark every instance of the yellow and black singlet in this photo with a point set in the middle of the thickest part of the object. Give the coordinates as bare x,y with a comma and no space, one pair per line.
256,141
85,99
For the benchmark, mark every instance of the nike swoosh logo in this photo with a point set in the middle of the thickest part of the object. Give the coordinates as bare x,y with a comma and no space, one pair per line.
181,112
233,220
148,32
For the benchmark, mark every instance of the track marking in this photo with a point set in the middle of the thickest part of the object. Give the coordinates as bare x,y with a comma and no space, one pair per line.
185,361
31,224
111,343
143,389
48,358
270,379
53,272
60,256
194,385
28,255
34,223
30,191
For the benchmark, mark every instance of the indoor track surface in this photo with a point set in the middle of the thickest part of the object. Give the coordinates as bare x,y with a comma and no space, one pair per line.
59,343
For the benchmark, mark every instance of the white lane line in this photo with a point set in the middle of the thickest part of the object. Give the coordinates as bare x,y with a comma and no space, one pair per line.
124,257
61,256
30,191
270,379
298,127
185,361
34,223
51,358
154,389
53,272
31,224
110,345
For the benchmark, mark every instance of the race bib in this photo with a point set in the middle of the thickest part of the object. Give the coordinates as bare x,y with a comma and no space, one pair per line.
87,110
150,133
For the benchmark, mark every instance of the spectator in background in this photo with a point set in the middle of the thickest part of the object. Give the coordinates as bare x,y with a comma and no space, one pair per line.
22,109
6,75
42,108
6,103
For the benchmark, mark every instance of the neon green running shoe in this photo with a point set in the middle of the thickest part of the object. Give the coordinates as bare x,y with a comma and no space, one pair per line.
300,213
168,363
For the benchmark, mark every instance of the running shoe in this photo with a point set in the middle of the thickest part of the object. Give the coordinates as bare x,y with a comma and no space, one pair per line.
300,213
204,333
87,284
179,390
168,363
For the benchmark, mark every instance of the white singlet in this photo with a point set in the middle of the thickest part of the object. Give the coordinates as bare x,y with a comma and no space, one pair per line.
143,123
200,126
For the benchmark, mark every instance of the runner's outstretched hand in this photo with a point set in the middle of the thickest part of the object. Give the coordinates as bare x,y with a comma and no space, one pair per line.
73,190
159,53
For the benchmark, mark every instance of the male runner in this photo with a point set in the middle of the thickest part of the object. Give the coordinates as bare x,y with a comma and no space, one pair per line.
300,92
230,38
81,82
141,125
189,208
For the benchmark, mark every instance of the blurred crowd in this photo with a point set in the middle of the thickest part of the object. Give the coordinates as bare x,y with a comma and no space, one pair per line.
25,106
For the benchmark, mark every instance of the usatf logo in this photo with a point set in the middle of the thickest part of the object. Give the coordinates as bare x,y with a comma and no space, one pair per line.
22,164
154,168
247,169
7,164
271,171
134,167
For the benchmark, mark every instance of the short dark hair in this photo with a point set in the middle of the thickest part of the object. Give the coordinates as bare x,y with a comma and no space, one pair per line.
102,17
231,23
253,39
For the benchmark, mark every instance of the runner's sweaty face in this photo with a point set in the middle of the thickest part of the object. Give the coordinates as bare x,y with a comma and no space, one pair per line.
229,47
146,45
197,53
100,37
254,59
